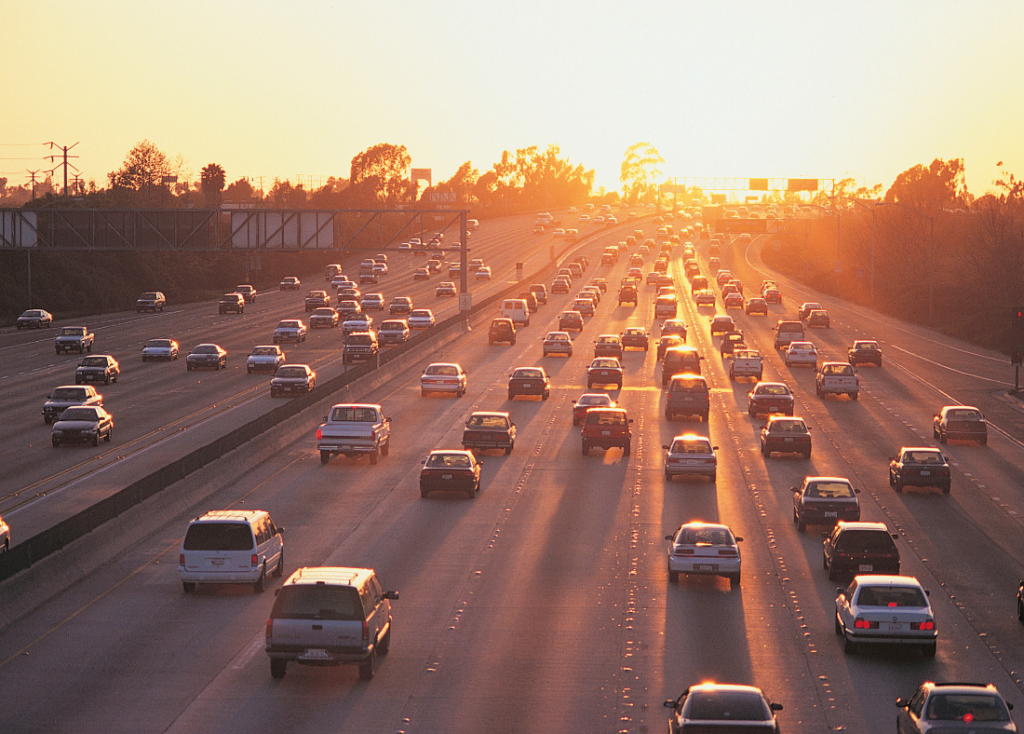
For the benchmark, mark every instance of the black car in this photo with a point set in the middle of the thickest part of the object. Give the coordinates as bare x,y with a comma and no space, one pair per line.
627,294
636,337
98,368
824,501
865,352
451,470
785,435
716,707
501,330
860,547
731,342
919,467
768,398
529,381
206,355
489,430
570,321
34,318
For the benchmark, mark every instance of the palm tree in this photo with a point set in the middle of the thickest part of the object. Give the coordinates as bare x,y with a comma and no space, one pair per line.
212,184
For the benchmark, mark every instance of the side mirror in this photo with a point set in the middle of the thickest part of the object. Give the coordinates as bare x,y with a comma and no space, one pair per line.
669,537
856,491
739,539
665,446
390,595
775,706
902,703
280,531
630,420
840,591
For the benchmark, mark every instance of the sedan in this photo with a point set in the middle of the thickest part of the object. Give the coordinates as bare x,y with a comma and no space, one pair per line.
824,501
704,549
865,352
317,299
529,381
570,321
445,290
324,318
557,342
714,707
960,422
372,302
290,283
731,342
98,368
400,306
160,349
34,318
263,358
484,273
667,342
584,305
768,398
783,435
733,300
635,337
450,470
444,377
83,424
292,379
722,324
919,467
586,402
608,345
958,707
348,307
772,295
421,274
290,330
421,318
805,309
604,371
704,297
674,326
691,455
801,353
885,610
819,317
357,322
206,355
757,306
489,430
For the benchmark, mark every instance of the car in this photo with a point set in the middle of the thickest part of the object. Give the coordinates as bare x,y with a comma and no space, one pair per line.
730,343
756,306
207,355
960,423
150,301
324,317
445,289
264,358
704,549
570,321
475,264
372,302
819,317
785,435
348,307
393,331
231,302
806,308
704,297
585,306
628,294
400,306
489,430
452,471
723,276
635,337
332,270
356,322
82,424
350,293
801,353
733,300
604,371
687,395
674,326
380,268
327,616
290,283
588,401
98,368
885,610
421,318
484,273
501,330
606,428
960,707
558,232
601,284
444,377
824,501
787,332
317,299
529,381
666,342
729,288
248,292
608,345
421,274
772,295
434,266
290,330
865,351
540,292
157,349
919,466
66,396
341,281
860,547
34,318
691,455
292,379
557,342
592,292
5,536
722,324
770,397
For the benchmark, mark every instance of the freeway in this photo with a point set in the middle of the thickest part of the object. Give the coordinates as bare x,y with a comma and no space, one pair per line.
544,604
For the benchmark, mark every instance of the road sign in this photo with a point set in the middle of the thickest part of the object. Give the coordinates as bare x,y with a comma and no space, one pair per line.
465,301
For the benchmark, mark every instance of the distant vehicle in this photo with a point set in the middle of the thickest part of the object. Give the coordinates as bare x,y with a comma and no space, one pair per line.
604,371
588,401
489,430
819,317
450,470
360,346
393,331
34,318
157,349
960,422
98,368
501,330
557,342
248,292
886,610
635,337
290,330
445,289
66,396
768,398
785,435
836,378
317,299
74,338
290,283
150,301
606,428
919,466
324,317
705,549
444,377
801,353
421,318
206,355
865,352
935,707
691,455
824,501
529,381
353,430
757,306
860,547
264,358
292,379
82,424
232,302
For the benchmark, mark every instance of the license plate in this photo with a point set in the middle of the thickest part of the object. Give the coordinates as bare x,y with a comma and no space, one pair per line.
315,654
926,474
789,440
866,567
606,433
831,514
893,627
705,567
218,561
446,476
526,385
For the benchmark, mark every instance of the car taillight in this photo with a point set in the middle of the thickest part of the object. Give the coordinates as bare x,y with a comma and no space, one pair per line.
319,434
863,624
270,628
683,552
181,560
366,633
728,552
254,561
928,624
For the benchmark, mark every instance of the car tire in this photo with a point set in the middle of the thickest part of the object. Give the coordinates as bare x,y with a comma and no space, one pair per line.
945,489
838,625
673,577
325,456
508,449
849,646
854,395
941,436
96,439
765,452
929,649
668,476
511,395
625,449
1020,610
984,441
374,456
807,454
801,526
384,646
279,569
586,448
110,436
734,580
368,667
899,486
546,395
713,477
260,585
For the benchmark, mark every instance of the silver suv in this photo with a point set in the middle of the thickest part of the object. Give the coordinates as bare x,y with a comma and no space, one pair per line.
330,616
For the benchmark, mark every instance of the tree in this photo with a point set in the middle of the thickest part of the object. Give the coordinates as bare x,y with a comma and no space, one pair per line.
211,183
380,173
240,192
939,186
462,183
640,170
144,166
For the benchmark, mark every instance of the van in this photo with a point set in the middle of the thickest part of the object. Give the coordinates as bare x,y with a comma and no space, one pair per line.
688,395
679,360
472,225
231,547
787,332
517,310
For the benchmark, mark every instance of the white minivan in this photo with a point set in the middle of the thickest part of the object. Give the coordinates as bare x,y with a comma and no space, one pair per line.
231,547
516,309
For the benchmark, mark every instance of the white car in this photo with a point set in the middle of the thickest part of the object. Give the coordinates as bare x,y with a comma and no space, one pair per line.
356,322
380,268
372,302
484,273
421,318
445,289
707,549
885,610
444,377
691,454
160,349
557,342
290,330
264,358
802,353
559,232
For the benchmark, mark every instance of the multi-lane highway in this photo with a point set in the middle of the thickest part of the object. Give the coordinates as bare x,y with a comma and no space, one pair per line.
544,604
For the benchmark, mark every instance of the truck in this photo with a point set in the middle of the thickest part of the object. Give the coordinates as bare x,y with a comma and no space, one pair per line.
354,429
74,339
837,378
745,363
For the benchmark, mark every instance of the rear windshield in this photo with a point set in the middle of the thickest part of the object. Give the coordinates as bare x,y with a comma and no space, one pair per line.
727,705
865,540
68,393
359,415
318,602
891,596
219,536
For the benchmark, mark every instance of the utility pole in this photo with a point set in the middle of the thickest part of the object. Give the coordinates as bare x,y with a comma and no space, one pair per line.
33,175
64,154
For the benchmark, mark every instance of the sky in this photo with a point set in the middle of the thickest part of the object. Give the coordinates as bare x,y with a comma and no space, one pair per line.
272,90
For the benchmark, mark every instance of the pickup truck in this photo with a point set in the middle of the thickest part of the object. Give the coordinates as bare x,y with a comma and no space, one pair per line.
837,378
65,396
74,338
353,429
745,363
